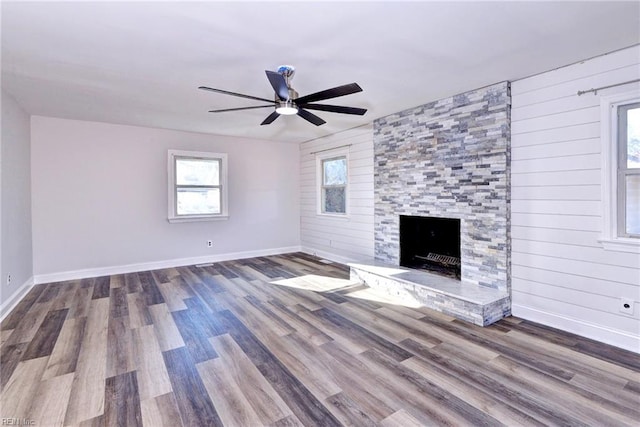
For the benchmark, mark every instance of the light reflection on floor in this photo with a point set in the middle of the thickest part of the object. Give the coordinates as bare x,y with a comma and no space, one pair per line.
317,283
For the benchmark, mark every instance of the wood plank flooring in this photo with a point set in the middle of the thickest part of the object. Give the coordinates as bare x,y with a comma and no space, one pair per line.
288,341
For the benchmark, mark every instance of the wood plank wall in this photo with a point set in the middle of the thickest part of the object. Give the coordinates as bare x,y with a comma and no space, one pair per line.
562,276
349,238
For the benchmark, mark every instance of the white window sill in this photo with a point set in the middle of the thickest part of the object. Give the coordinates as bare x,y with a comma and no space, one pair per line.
622,244
343,217
198,218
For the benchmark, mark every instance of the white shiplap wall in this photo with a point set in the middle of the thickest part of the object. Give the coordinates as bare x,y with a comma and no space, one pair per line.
339,239
561,275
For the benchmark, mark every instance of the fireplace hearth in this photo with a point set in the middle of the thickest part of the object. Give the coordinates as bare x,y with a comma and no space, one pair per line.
431,244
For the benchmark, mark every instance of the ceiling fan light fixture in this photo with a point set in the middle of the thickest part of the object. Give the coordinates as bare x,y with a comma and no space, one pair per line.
286,108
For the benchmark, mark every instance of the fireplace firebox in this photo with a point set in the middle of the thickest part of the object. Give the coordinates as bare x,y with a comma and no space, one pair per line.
430,243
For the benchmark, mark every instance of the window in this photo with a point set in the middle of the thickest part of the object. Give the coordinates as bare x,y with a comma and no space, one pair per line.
629,170
621,172
197,186
333,181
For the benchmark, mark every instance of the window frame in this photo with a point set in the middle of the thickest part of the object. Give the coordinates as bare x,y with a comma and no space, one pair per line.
613,194
622,170
320,159
172,157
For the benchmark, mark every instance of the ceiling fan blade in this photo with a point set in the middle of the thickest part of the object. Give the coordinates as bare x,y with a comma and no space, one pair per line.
330,93
279,84
240,108
270,118
226,92
334,109
310,117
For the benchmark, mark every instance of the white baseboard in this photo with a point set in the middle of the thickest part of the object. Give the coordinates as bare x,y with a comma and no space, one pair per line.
600,333
15,298
328,255
156,265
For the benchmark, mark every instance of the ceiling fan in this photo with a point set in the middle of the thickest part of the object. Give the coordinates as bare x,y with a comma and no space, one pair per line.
287,102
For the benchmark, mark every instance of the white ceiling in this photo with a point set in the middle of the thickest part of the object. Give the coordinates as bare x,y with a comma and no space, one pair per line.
141,63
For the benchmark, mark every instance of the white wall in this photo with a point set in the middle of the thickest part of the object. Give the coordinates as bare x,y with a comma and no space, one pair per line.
15,217
100,199
562,276
340,239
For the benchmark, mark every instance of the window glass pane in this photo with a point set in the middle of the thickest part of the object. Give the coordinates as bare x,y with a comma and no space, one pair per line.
198,201
633,138
197,172
632,218
334,200
334,171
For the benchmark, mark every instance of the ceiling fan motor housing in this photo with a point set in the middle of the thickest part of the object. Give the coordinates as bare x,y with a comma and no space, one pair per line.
293,95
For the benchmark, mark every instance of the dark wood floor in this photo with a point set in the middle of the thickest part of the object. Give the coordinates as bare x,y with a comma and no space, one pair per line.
289,340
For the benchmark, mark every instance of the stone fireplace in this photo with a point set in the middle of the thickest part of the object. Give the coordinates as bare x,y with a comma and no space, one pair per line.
449,159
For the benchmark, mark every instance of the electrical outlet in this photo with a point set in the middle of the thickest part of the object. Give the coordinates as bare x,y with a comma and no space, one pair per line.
8,279
626,306
209,243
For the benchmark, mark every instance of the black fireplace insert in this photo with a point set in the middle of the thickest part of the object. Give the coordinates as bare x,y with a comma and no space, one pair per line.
430,243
